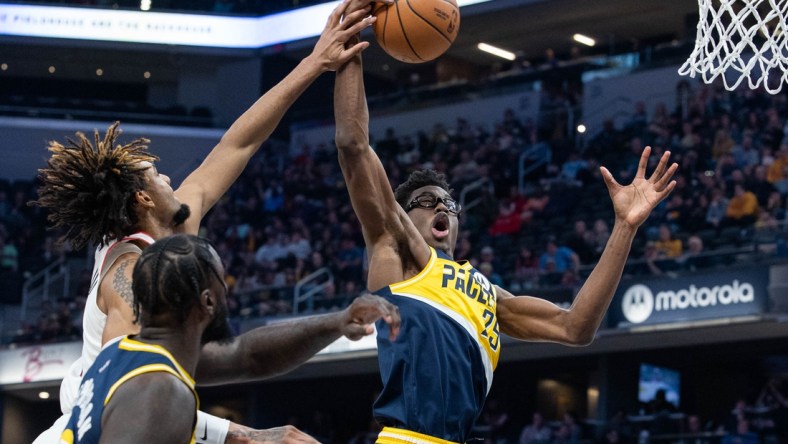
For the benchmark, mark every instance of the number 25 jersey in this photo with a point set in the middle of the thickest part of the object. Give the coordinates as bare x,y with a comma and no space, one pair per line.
437,373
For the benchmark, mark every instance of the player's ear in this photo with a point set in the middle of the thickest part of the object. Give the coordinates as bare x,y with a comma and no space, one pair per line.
208,302
143,199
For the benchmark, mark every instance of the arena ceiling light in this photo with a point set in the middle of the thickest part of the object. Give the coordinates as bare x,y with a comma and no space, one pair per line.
167,28
584,39
496,51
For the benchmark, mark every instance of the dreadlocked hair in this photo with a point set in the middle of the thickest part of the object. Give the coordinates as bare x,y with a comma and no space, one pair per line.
89,188
170,275
418,179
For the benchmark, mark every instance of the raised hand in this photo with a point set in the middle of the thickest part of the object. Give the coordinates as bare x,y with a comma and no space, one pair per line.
364,311
330,50
634,202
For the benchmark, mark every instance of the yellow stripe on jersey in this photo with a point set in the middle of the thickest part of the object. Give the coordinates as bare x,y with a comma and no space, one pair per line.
461,293
67,437
140,370
132,345
393,435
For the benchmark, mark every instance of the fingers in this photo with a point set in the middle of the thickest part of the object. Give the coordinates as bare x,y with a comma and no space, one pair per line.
336,15
609,180
663,162
643,162
354,332
664,193
355,19
353,51
665,178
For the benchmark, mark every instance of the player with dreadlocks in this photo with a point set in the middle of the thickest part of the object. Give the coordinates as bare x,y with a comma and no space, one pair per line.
140,389
111,194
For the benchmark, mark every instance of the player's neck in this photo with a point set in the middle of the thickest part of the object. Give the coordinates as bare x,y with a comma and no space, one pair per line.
183,344
155,228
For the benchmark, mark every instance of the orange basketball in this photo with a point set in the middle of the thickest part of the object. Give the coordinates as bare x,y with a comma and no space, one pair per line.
416,31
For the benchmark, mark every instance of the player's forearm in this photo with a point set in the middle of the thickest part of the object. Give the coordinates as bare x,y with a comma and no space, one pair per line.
594,297
350,108
268,351
258,122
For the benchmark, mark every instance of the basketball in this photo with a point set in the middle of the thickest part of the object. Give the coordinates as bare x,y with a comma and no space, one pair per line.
416,31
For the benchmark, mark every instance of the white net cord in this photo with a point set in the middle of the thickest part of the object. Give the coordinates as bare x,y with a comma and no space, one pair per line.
743,39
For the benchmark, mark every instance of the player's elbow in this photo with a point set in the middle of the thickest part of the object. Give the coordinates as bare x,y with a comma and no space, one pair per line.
349,144
579,336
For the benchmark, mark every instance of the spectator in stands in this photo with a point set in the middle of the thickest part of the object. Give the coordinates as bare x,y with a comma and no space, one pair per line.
347,262
9,256
490,273
600,236
271,251
526,270
537,432
694,258
742,208
723,144
694,432
741,435
572,430
778,171
666,245
580,241
718,208
496,420
561,258
759,185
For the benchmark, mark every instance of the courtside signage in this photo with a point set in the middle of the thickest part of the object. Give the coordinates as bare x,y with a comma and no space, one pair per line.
38,363
689,298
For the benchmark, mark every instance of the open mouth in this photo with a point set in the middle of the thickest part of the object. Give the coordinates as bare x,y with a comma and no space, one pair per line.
440,226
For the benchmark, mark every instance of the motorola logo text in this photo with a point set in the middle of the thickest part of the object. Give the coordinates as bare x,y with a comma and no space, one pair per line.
639,301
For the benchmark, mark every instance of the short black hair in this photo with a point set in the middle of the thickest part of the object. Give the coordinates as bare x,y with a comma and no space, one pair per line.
170,275
418,179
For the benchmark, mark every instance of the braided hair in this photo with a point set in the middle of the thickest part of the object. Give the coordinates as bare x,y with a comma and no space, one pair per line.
89,188
170,275
418,179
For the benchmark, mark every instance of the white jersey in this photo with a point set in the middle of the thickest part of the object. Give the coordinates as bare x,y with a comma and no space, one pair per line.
93,321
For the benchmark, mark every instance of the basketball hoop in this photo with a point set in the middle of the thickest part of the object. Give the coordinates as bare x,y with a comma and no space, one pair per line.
740,39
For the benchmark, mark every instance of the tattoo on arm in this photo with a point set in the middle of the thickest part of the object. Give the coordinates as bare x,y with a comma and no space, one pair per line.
122,285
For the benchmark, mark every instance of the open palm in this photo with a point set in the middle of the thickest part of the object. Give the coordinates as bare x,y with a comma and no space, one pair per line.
634,202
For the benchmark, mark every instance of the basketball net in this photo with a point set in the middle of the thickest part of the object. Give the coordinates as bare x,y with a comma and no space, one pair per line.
740,39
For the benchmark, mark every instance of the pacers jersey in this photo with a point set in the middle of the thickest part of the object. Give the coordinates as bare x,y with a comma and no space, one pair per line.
118,362
437,373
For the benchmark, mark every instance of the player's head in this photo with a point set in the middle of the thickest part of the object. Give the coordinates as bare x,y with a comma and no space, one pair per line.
99,191
179,274
426,197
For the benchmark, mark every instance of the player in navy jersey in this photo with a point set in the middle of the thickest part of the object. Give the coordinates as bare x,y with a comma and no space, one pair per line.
436,375
141,388
111,195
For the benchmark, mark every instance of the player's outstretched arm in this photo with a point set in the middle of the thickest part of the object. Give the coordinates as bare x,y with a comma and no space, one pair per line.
203,187
277,435
536,319
385,225
275,349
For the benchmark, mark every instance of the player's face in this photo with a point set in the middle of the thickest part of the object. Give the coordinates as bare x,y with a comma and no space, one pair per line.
219,329
438,225
168,208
